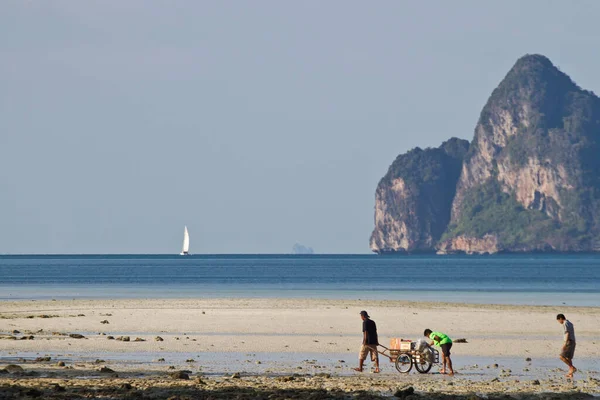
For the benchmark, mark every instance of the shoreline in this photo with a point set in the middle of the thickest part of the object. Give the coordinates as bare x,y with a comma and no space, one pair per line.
191,292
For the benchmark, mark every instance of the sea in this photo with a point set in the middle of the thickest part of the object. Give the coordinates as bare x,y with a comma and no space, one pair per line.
538,279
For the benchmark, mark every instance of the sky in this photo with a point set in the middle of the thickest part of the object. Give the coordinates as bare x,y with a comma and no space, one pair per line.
257,124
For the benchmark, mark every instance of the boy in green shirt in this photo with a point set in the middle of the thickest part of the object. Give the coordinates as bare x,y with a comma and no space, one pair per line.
445,343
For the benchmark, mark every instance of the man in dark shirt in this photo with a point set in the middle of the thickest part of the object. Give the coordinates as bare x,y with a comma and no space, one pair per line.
369,343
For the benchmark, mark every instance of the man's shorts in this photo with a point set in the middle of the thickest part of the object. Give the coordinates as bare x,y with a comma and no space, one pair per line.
446,349
366,349
568,350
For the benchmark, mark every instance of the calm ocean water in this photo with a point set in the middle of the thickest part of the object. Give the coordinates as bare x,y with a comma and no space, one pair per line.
503,279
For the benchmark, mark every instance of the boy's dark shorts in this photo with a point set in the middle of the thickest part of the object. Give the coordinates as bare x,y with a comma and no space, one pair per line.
568,350
446,349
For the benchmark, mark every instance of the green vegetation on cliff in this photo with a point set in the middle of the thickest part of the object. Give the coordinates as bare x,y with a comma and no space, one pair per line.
486,209
431,165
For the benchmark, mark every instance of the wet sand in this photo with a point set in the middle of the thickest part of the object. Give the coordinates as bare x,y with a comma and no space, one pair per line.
282,348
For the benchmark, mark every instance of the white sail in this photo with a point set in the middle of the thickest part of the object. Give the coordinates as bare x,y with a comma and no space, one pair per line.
186,241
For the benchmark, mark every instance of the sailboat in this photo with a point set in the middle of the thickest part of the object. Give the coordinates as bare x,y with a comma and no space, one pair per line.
186,243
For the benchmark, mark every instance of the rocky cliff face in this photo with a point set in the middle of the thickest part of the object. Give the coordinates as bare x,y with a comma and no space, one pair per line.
470,245
413,200
530,180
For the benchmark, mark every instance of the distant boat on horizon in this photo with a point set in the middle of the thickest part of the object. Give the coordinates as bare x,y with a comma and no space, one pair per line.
186,243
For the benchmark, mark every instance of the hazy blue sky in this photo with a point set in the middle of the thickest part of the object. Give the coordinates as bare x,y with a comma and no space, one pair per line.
258,124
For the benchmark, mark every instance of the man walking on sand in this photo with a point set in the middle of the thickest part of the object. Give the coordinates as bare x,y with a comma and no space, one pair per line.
369,343
568,349
445,343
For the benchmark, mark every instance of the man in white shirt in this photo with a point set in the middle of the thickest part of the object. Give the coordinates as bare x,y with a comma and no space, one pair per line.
568,349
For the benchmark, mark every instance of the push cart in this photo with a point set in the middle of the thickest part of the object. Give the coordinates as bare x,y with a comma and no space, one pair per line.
406,353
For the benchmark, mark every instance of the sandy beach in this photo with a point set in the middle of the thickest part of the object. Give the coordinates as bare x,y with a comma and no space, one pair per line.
281,344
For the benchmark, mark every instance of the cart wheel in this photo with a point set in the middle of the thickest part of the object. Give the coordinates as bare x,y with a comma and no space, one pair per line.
423,363
403,363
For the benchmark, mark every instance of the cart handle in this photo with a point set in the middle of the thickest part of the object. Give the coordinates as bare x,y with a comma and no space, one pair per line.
385,352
